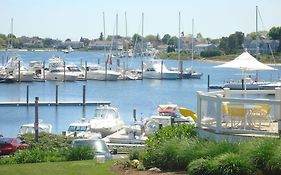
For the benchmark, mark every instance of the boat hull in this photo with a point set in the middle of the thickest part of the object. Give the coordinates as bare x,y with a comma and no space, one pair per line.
60,77
159,75
102,75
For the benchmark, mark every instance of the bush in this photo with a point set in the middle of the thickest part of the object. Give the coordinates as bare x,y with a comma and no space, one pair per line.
231,164
180,131
137,154
200,167
273,165
84,152
47,141
259,151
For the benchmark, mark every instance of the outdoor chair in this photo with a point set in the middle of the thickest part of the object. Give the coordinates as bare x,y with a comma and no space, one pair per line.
261,114
235,114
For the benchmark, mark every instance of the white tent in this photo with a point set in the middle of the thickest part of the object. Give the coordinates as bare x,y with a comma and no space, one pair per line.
245,62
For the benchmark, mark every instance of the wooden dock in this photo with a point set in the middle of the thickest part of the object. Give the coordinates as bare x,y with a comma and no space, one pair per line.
53,103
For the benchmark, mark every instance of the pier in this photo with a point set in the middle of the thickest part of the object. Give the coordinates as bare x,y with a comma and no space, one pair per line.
53,103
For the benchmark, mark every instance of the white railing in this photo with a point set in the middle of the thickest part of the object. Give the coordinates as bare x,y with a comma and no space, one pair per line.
211,102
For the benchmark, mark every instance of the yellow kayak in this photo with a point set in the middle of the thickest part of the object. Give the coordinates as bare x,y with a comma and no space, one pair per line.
188,113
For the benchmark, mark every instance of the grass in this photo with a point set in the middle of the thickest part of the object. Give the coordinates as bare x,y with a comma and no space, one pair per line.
88,167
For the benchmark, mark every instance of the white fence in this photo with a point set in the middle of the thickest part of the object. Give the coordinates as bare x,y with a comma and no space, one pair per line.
211,115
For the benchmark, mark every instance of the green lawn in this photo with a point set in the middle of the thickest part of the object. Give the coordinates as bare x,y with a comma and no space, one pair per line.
59,168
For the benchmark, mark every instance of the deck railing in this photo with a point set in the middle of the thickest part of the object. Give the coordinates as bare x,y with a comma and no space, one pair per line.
210,111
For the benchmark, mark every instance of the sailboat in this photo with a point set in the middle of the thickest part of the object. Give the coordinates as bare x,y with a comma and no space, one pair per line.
194,74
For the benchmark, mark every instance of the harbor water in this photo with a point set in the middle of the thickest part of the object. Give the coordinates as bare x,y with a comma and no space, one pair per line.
126,95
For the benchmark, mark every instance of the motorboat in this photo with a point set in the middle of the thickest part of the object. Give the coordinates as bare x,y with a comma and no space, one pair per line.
75,70
29,128
81,128
37,67
247,83
193,74
155,69
107,120
6,78
15,68
181,75
97,72
166,114
57,70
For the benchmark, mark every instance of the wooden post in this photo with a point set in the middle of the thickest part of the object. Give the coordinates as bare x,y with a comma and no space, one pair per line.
208,81
19,71
44,76
142,70
242,82
27,95
57,97
84,94
36,123
135,115
181,69
63,70
105,75
161,69
98,61
86,70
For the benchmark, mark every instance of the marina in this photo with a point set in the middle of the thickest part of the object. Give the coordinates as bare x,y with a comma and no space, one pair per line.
143,95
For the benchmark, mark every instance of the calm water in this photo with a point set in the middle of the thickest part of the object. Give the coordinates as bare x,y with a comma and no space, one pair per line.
142,95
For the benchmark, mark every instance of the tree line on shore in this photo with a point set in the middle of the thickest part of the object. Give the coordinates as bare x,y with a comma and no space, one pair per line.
232,44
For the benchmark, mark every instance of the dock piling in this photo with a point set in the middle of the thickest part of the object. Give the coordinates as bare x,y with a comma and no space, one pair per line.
27,95
36,131
135,115
57,88
142,70
84,95
85,70
208,81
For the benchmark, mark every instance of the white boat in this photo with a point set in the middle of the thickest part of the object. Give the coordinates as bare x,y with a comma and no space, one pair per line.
15,68
155,69
75,70
247,83
97,72
107,120
37,67
57,71
81,128
29,128
165,115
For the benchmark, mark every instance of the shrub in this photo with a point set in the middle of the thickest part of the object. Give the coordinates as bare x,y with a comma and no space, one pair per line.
273,165
84,152
47,141
231,164
37,155
200,167
259,151
180,131
136,154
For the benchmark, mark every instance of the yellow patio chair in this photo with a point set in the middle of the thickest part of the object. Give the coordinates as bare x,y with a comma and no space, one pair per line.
261,114
188,113
236,114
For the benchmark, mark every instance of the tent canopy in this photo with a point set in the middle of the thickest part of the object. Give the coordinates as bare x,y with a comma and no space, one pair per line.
245,62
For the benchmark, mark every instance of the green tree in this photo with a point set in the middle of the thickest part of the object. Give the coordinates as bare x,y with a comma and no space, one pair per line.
67,40
101,38
233,43
275,34
150,38
166,38
136,39
173,41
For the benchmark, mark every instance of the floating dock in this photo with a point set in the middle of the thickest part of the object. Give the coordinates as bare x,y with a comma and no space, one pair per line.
53,103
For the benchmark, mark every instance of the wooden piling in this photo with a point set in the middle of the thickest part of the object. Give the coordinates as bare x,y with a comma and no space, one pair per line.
84,95
57,97
135,115
85,76
162,69
208,81
142,70
36,123
27,95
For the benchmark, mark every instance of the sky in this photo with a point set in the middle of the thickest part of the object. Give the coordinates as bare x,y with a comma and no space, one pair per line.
62,19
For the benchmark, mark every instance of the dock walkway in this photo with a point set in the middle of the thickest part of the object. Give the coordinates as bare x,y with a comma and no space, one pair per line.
53,103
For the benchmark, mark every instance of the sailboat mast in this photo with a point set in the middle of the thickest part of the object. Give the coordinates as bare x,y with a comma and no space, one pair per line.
126,39
179,35
116,24
142,21
257,35
192,43
103,25
126,34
